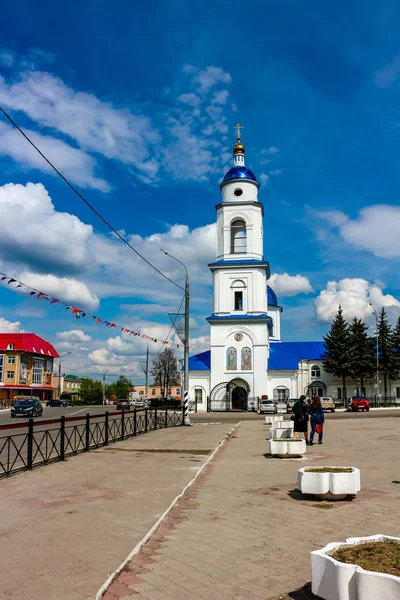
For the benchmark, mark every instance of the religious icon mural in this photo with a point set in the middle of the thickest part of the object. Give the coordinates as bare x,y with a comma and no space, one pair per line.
231,359
246,359
48,375
23,373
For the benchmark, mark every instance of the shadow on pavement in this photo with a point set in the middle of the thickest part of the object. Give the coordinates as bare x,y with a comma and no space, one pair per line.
304,593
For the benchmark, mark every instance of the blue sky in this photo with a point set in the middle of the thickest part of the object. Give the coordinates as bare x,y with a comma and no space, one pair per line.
136,105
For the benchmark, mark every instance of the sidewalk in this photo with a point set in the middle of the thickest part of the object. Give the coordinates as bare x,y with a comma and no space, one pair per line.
67,526
243,531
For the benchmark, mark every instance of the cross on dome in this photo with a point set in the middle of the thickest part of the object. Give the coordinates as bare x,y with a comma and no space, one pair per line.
238,127
238,148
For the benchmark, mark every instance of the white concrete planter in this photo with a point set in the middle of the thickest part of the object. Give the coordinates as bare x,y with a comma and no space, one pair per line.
287,448
270,419
333,580
280,433
333,486
283,425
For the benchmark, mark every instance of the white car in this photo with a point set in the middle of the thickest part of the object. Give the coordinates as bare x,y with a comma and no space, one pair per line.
268,406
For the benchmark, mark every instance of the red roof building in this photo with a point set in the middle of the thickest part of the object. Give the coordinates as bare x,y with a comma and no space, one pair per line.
26,366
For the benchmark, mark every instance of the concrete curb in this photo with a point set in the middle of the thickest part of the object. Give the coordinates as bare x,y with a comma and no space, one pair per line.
156,525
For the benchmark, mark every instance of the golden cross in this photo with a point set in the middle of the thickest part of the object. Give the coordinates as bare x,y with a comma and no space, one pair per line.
238,127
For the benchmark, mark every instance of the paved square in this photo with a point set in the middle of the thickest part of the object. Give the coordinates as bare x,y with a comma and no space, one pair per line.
243,531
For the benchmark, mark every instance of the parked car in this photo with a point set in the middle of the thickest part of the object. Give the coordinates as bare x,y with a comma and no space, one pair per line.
56,403
328,403
123,404
139,402
268,406
358,403
290,404
28,406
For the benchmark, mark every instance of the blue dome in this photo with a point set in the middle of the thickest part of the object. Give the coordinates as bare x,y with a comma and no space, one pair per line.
239,173
271,297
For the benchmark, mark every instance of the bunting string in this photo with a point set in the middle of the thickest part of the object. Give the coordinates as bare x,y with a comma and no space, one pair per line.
78,312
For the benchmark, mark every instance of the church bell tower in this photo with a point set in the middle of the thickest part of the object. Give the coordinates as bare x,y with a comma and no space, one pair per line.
239,323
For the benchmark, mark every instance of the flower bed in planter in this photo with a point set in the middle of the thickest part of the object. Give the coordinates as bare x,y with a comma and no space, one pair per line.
280,433
287,447
333,579
329,483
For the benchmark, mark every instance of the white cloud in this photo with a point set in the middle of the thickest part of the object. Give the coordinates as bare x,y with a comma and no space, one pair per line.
168,144
290,285
190,99
78,166
263,177
211,76
276,171
74,335
9,326
50,239
273,150
68,290
375,229
7,57
354,296
220,97
386,76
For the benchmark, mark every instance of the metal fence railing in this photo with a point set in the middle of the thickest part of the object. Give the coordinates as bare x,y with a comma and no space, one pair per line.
32,443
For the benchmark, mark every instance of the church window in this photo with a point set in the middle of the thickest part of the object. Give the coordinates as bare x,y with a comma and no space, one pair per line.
238,192
238,237
198,396
281,394
238,300
315,371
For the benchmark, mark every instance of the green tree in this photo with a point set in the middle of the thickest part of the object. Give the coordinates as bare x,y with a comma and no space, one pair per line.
337,357
165,369
385,335
395,352
362,352
91,391
122,386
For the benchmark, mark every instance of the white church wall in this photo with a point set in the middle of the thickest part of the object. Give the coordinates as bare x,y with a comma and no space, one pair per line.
282,380
252,216
199,380
227,281
252,336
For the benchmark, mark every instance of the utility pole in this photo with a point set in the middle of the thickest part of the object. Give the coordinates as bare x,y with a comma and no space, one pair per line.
377,349
145,368
185,402
104,386
59,372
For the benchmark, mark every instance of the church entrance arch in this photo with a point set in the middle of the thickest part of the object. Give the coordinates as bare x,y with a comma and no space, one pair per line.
229,395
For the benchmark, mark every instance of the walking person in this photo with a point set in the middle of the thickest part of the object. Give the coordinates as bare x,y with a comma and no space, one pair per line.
300,418
317,419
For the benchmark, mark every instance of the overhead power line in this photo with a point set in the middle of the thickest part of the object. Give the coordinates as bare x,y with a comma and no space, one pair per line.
73,188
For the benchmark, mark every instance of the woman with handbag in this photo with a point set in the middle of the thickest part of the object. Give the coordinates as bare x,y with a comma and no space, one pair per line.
317,420
300,418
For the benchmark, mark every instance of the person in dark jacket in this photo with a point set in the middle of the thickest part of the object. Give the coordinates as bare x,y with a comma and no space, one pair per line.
300,418
317,419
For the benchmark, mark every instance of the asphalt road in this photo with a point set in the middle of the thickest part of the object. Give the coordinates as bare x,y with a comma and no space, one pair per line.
46,437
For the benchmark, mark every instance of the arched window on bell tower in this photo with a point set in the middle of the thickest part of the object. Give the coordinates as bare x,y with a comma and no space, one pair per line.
238,237
239,298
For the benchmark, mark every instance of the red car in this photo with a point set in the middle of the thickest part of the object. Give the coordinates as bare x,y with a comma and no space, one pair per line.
358,403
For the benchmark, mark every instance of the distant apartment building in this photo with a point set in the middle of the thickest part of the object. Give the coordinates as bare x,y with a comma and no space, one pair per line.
26,366
69,384
155,391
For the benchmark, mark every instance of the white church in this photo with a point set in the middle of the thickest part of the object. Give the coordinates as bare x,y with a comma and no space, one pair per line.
248,360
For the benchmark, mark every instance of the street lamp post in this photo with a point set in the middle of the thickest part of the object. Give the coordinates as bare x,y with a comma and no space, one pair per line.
59,372
377,348
186,353
104,386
